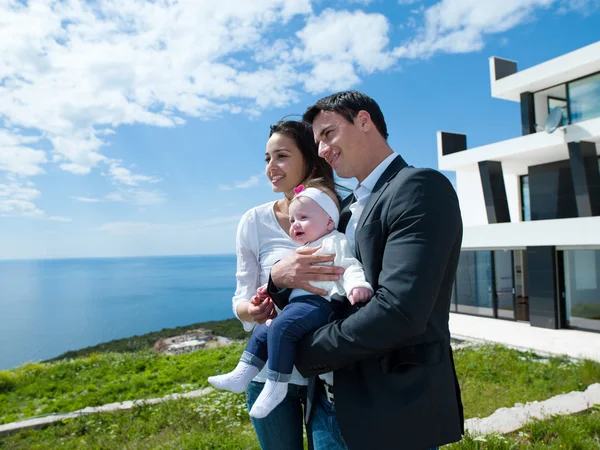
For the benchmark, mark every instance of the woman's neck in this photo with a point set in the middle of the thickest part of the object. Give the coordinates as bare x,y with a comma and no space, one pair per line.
283,205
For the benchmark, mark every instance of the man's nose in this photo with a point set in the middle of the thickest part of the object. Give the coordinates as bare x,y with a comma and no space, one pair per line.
323,149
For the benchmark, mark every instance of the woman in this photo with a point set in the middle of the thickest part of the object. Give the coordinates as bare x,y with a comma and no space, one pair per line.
291,159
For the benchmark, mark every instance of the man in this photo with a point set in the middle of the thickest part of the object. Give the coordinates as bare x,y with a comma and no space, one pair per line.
393,371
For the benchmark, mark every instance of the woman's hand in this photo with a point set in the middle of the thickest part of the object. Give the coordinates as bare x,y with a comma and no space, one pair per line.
261,308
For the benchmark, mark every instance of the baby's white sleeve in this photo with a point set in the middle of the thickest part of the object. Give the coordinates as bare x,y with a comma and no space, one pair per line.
354,275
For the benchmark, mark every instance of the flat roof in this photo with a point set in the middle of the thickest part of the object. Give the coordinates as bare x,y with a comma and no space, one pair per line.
570,66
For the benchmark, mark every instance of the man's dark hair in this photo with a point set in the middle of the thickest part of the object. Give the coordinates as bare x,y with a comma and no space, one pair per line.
348,104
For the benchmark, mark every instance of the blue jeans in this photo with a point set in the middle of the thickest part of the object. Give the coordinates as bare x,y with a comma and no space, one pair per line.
282,429
276,344
325,429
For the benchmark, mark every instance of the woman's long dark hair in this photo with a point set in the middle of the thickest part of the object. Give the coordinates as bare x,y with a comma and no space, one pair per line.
316,167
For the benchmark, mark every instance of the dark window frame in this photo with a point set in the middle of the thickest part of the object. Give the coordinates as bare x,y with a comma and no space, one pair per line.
566,84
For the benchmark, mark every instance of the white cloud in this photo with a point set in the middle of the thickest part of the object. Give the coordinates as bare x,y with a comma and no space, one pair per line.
60,219
17,200
17,158
125,176
253,181
341,44
129,227
584,7
86,199
73,71
136,228
115,197
142,197
459,26
135,196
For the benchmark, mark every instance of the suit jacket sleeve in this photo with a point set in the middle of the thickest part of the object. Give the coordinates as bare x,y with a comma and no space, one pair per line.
279,296
420,227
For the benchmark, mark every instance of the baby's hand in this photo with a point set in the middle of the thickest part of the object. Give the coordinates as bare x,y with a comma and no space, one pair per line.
261,292
360,294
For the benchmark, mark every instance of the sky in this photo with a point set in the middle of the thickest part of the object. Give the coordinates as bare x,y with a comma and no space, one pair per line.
136,128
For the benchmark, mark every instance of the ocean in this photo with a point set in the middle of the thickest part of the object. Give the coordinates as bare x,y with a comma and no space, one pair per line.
48,307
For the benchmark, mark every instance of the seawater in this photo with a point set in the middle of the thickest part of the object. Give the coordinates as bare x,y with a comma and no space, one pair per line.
48,307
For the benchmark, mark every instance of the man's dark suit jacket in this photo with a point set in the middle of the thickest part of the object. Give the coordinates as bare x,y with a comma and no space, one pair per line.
394,378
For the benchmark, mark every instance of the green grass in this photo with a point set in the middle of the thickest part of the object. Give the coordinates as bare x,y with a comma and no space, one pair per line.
579,432
493,376
68,385
220,421
229,328
216,421
490,377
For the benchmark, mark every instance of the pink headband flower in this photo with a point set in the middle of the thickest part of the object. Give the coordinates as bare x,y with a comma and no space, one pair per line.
298,189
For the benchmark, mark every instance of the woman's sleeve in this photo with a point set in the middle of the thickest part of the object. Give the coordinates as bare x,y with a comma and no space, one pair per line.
248,267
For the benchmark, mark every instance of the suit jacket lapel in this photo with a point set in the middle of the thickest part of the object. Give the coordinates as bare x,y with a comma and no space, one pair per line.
389,173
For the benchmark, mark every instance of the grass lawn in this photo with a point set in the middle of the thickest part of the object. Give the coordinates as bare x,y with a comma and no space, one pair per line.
579,432
216,421
220,421
491,377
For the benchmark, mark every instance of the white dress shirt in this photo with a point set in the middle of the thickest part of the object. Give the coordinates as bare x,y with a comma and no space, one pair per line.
362,192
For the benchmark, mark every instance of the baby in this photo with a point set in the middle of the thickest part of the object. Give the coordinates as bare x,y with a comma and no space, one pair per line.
314,216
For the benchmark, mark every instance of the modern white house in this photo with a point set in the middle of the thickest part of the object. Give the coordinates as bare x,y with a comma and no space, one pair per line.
531,204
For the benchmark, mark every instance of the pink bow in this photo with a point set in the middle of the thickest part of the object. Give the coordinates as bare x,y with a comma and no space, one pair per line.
298,189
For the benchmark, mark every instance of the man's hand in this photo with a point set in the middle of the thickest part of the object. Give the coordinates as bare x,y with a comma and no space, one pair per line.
297,269
360,294
261,309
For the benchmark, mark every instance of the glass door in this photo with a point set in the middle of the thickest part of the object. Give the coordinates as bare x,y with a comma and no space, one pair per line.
504,284
521,296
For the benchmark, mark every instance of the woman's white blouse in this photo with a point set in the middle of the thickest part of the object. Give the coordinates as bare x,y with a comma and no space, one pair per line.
260,243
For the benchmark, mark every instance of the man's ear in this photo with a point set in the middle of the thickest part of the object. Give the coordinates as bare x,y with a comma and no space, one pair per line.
363,120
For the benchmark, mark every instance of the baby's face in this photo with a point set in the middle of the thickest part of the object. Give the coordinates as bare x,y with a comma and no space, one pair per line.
308,220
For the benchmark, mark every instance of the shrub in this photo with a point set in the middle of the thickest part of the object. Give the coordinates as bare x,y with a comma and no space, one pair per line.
8,381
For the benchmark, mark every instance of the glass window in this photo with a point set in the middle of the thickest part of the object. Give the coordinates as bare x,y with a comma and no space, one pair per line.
553,102
582,288
474,283
525,205
584,98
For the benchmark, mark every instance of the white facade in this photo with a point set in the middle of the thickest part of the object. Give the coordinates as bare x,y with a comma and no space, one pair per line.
531,204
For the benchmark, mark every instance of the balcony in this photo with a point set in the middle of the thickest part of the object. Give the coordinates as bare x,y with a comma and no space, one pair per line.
522,152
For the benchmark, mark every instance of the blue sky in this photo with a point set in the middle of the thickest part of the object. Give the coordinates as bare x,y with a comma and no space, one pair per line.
138,128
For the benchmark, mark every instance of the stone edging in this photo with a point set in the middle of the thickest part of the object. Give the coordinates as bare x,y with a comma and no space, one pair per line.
507,420
37,422
502,421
